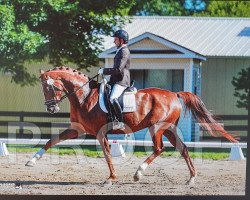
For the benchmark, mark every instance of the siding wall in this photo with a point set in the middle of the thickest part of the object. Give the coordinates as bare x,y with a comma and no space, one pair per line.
155,63
148,44
16,98
217,90
216,87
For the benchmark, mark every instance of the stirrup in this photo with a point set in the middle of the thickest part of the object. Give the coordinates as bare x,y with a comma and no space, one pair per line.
118,125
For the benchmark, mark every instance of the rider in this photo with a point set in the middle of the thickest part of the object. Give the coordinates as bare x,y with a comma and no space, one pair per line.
120,75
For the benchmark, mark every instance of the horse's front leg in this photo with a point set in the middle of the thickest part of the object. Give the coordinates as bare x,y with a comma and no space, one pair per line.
67,134
106,150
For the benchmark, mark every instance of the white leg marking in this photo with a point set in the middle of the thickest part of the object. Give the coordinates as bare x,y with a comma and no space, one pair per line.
191,181
138,175
39,154
143,167
36,157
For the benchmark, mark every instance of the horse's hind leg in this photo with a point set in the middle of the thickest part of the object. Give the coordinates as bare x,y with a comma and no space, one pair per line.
182,148
67,134
158,149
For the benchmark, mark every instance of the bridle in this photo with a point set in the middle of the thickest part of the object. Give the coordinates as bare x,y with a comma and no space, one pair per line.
50,83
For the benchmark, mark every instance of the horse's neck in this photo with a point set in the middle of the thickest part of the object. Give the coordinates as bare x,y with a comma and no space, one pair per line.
87,96
78,88
81,113
91,101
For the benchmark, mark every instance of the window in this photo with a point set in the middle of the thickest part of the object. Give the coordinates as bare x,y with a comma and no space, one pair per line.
172,80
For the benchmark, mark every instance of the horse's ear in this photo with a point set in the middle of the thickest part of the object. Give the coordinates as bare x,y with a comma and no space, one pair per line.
41,71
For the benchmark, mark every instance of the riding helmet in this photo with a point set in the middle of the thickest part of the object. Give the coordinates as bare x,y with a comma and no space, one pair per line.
122,35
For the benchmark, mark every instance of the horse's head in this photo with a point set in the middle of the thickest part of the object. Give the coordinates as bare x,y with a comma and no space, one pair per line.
64,79
52,90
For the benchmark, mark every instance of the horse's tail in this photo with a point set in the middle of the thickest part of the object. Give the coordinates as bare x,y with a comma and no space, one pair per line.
203,116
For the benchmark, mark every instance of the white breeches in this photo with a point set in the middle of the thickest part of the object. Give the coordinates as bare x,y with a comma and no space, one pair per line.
116,92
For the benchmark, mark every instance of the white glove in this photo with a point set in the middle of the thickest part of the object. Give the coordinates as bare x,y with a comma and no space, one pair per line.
100,71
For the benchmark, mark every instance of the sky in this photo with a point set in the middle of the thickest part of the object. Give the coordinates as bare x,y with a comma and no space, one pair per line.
194,5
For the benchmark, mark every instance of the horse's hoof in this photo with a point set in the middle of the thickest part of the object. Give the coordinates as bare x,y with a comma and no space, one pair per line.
107,183
30,164
137,177
190,182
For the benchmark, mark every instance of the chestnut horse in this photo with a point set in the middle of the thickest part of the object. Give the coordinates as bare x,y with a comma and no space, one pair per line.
157,109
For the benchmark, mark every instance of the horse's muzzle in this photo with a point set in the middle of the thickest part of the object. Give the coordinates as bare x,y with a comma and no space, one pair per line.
52,109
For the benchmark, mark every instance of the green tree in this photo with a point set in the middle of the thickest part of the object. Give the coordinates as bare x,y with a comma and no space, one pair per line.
242,84
226,9
158,7
166,7
61,30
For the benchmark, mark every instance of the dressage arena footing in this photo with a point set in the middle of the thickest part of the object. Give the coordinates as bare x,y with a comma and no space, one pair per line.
84,176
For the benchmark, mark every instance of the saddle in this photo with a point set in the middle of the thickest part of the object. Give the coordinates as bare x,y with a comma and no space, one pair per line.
126,100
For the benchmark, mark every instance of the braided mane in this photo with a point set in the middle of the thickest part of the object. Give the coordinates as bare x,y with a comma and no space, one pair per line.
68,70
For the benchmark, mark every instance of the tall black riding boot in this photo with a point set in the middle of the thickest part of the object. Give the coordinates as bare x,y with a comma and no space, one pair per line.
118,113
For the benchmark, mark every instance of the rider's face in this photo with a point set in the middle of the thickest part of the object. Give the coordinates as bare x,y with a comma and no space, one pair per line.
117,42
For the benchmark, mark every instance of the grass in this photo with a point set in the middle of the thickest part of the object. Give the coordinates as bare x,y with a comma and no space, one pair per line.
60,150
92,151
203,155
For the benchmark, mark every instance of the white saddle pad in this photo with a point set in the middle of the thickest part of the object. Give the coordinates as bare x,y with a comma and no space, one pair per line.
129,103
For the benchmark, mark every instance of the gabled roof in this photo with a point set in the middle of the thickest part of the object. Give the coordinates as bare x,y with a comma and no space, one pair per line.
177,50
207,36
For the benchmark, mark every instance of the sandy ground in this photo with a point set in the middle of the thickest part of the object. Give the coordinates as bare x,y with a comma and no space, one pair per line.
80,175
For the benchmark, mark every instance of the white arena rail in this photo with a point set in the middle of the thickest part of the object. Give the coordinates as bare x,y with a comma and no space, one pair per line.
123,142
